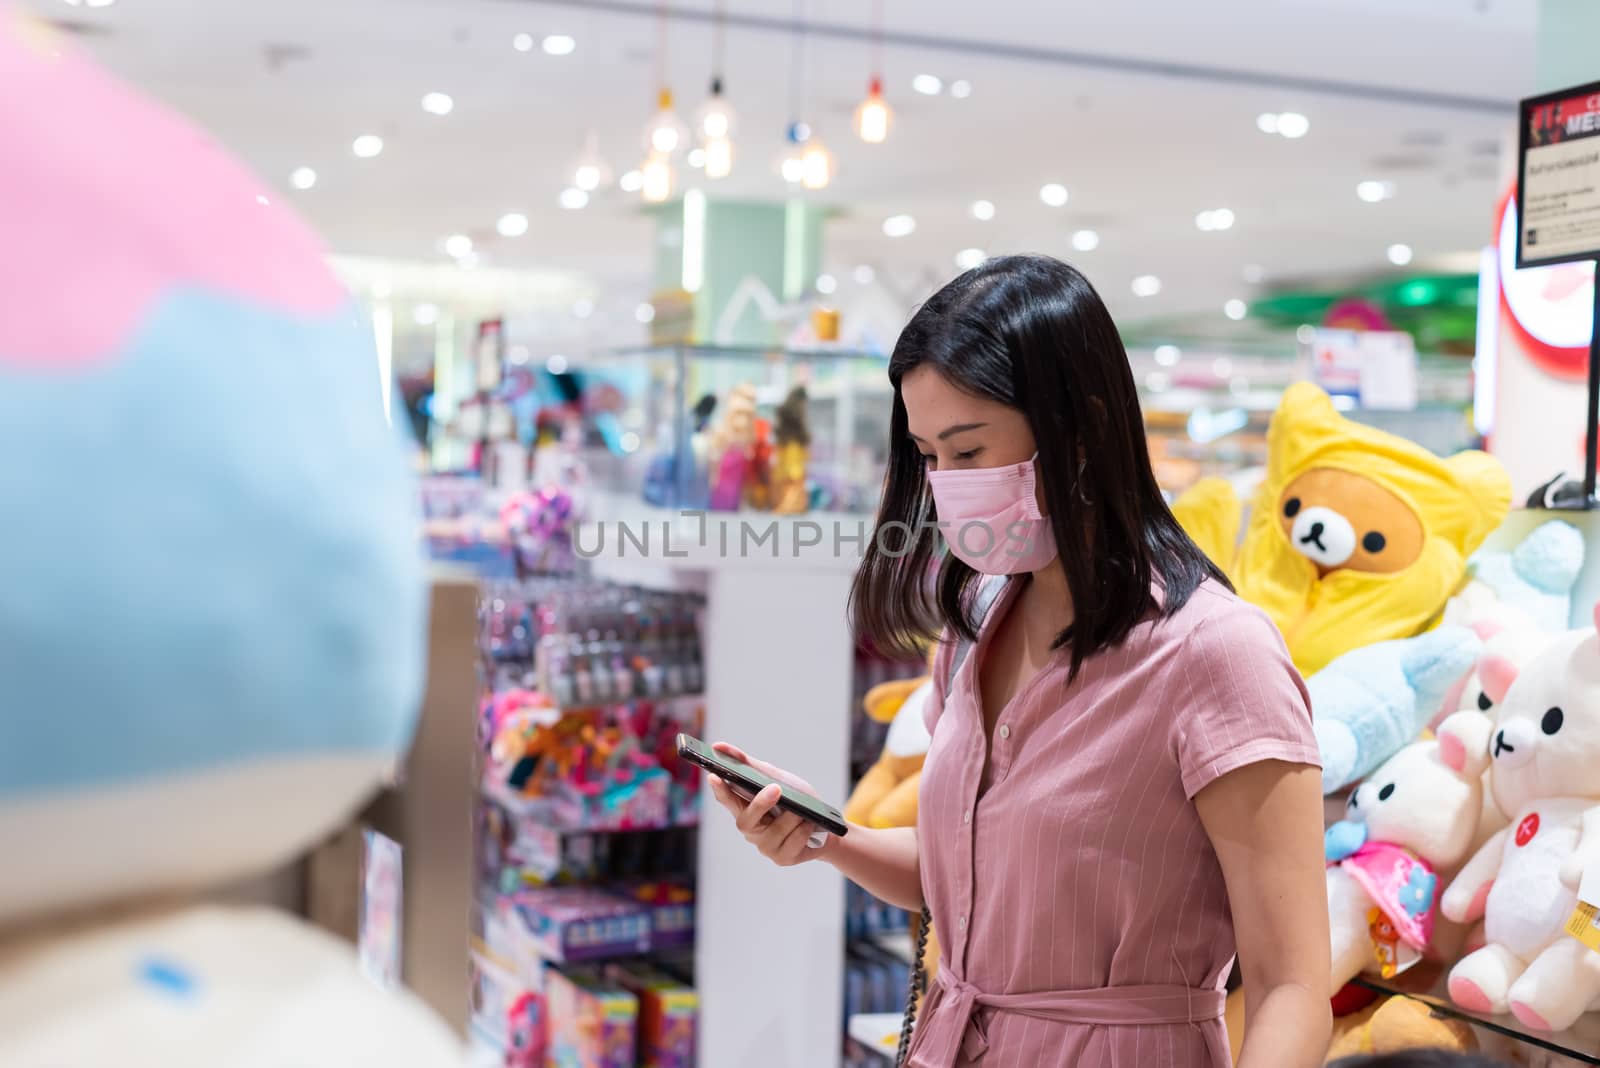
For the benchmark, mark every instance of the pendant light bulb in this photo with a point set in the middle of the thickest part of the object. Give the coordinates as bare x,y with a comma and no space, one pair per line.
658,176
590,172
816,165
666,133
719,157
873,114
716,119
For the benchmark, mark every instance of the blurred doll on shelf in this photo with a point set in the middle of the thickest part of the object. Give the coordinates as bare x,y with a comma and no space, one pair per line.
674,479
728,452
789,494
758,476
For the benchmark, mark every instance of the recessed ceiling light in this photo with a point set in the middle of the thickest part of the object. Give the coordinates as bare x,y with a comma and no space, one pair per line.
559,44
1085,240
438,104
1253,273
697,158
367,146
826,283
1146,285
961,89
512,224
425,314
864,275
1399,255
574,199
457,245
1373,191
556,364
1053,194
1214,219
303,178
1267,122
1293,125
645,313
982,210
927,84
968,258
1168,355
899,226
522,42
631,182
582,308
1236,309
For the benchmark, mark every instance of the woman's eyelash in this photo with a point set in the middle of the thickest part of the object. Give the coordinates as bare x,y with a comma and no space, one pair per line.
928,457
968,455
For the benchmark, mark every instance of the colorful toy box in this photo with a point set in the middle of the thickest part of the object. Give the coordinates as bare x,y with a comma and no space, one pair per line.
669,1015
671,905
592,1023
508,1016
569,923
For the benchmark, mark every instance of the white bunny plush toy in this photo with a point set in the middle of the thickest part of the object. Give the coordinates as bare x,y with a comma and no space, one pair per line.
1414,816
1544,755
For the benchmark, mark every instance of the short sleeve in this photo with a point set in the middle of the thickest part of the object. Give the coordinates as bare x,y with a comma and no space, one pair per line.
942,658
1242,702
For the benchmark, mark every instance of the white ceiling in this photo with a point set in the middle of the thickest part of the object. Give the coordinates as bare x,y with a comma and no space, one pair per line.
1146,112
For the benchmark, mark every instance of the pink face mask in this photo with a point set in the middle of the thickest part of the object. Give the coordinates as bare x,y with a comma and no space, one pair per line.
991,518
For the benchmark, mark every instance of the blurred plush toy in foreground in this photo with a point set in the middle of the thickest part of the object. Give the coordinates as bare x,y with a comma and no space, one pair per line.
243,644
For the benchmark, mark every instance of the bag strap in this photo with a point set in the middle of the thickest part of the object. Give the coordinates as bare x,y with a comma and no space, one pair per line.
988,593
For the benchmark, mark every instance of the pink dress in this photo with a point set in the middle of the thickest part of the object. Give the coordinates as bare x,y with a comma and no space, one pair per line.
1080,908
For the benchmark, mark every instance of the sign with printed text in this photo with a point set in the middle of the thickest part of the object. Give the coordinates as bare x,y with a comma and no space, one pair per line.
1376,368
1558,187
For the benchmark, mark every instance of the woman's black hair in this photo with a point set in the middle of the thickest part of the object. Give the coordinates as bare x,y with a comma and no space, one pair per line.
1418,1058
1031,333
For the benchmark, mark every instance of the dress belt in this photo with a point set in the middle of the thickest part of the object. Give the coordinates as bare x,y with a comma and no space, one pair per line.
951,1026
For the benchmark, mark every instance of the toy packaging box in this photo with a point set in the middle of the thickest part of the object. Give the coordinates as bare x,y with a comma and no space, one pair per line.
508,1013
671,906
564,924
669,1015
592,1023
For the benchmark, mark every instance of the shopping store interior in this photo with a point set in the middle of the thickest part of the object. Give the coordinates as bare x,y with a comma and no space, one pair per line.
522,365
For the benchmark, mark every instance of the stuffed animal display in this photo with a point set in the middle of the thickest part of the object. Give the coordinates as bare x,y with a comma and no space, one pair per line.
1373,700
1413,818
1355,535
1530,585
1544,750
212,590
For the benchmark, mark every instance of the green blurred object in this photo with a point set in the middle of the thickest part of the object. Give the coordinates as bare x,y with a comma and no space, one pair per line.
1440,311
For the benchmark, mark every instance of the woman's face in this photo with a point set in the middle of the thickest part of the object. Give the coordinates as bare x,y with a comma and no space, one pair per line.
957,431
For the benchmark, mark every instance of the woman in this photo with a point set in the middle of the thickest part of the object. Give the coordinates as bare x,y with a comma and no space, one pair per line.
1122,785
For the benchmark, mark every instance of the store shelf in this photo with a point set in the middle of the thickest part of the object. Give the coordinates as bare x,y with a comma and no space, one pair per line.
878,1032
1427,983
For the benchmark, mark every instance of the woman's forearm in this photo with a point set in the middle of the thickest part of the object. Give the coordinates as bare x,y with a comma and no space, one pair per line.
1286,1028
883,862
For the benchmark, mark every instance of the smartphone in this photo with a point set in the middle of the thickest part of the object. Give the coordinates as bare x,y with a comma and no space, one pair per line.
747,780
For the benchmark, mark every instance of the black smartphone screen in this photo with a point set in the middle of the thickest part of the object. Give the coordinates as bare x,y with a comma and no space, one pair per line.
748,779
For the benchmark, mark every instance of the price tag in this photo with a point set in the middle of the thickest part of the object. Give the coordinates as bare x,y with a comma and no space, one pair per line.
1584,923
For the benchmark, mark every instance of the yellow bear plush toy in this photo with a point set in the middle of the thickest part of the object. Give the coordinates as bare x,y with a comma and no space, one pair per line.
1355,536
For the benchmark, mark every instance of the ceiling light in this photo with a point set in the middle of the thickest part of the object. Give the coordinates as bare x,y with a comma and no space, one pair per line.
645,313
512,224
873,114
1399,255
968,258
1293,125
1146,285
1236,309
1267,122
586,177
1214,219
582,308
97,3
816,164
631,182
864,275
1168,355
367,146
719,157
982,210
1053,194
574,199
1372,192
715,119
559,44
697,158
556,364
899,226
657,176
303,178
457,245
425,314
927,84
792,169
961,89
665,133
1253,273
522,42
438,104
1085,240
826,284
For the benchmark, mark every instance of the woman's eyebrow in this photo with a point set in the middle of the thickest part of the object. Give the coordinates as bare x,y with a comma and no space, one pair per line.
951,431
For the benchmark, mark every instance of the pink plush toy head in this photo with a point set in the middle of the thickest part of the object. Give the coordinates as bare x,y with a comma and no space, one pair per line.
1427,797
1546,737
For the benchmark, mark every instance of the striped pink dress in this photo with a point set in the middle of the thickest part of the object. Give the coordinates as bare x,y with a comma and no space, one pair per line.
1080,908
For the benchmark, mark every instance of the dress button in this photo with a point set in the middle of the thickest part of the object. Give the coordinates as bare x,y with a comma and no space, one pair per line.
966,817
1005,731
963,921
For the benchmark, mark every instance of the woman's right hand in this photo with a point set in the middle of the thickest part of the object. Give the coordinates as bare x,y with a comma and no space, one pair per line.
781,836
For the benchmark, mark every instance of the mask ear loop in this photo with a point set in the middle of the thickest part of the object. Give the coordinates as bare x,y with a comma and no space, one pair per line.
1082,496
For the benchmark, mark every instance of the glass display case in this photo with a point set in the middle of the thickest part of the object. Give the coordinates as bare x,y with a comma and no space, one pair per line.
738,429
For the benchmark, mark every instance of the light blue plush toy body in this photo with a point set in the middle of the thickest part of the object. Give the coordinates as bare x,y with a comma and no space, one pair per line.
1537,576
1370,702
